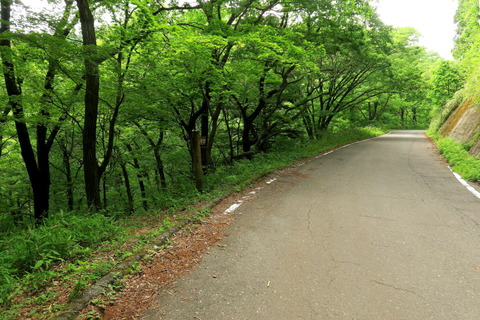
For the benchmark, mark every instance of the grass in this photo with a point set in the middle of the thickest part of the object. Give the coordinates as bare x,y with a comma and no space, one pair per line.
76,249
458,157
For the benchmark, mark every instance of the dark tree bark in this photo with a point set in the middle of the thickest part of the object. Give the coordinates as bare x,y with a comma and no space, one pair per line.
38,167
68,176
160,170
128,187
92,81
141,176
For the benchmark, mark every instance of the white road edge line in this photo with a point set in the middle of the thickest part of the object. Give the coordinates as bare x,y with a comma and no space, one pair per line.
465,184
233,207
271,181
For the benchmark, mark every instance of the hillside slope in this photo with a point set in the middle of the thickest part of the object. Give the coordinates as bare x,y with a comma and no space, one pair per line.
463,125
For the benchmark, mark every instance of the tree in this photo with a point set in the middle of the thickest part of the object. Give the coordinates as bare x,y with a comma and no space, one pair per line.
446,80
409,72
36,161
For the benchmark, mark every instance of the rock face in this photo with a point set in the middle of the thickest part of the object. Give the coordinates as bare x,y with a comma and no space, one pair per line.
463,126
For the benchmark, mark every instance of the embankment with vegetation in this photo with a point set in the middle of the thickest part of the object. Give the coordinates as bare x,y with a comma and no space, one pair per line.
456,124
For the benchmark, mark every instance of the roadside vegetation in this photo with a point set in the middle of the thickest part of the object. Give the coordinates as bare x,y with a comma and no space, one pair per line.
72,250
461,80
458,157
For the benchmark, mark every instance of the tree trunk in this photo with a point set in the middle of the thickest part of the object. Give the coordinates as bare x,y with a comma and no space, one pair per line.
128,187
38,173
247,142
229,133
92,80
141,177
160,169
68,176
204,125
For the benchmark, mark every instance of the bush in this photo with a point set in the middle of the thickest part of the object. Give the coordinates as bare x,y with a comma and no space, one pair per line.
459,159
32,252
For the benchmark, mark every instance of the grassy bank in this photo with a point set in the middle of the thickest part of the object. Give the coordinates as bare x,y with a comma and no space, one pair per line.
458,157
75,249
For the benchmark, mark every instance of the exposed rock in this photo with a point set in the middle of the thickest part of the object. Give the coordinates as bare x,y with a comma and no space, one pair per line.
463,125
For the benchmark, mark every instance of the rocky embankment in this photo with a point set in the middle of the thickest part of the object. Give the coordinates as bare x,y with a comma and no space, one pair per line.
463,125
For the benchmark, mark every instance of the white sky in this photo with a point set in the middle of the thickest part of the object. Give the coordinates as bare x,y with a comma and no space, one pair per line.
434,19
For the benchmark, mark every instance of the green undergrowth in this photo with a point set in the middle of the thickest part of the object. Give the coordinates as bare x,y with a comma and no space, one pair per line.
458,157
61,249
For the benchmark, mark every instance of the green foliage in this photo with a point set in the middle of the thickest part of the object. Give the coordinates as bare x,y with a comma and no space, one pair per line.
446,80
77,289
467,43
32,252
457,156
441,115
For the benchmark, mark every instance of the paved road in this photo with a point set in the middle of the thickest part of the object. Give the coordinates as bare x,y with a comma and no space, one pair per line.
377,230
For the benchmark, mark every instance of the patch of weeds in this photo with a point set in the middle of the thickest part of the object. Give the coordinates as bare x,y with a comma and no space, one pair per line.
77,289
91,315
117,285
88,270
37,281
99,303
197,217
134,269
148,258
123,254
459,159
166,225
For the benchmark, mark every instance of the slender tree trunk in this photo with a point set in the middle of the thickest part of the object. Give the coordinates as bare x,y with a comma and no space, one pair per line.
128,187
68,176
141,177
229,133
205,125
160,169
213,129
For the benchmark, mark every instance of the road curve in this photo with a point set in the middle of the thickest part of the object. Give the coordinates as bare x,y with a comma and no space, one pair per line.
377,230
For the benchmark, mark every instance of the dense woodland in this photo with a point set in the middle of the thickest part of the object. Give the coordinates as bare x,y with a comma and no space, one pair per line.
100,99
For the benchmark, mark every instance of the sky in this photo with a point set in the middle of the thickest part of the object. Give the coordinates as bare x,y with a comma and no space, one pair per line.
434,19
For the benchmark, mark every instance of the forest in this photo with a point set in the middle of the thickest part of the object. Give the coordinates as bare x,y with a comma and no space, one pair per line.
101,101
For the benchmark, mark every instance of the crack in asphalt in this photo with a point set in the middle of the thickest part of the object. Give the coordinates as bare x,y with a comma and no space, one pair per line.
309,222
397,288
379,218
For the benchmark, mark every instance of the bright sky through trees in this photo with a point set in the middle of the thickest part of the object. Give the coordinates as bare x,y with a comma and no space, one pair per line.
434,19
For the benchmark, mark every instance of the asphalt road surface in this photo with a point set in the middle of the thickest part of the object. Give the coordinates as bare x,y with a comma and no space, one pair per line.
377,230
